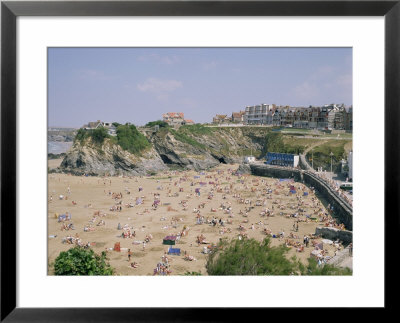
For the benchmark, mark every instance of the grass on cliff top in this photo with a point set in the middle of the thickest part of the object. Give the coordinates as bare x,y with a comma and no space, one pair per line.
277,143
321,154
97,135
196,129
185,134
128,138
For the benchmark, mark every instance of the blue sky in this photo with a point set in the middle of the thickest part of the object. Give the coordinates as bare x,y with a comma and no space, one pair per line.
138,85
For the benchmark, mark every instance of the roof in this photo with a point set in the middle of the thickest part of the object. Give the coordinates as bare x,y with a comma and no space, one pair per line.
237,114
174,115
93,124
220,116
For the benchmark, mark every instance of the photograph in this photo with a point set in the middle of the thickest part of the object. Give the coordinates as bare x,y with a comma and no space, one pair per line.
200,161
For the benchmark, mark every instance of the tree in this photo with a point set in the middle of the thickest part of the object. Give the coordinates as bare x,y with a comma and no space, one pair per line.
78,261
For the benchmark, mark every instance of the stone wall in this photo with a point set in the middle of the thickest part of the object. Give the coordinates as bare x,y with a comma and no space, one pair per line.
276,172
340,209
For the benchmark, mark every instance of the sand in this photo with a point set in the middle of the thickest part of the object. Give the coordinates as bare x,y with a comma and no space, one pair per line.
94,194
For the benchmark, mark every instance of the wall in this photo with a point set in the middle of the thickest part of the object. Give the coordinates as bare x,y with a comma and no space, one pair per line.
335,234
275,171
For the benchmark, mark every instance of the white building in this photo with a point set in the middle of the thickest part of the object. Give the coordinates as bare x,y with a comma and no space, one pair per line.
258,114
249,159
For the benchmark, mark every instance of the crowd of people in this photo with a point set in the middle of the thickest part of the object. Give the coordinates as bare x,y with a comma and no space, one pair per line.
229,203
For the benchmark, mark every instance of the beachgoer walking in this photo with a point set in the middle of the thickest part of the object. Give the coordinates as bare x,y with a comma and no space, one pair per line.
129,254
351,249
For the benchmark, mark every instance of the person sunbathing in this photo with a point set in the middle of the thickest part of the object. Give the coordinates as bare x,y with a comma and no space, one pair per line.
134,264
189,258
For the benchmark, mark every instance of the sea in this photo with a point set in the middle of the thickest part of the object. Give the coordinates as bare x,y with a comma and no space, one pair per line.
58,147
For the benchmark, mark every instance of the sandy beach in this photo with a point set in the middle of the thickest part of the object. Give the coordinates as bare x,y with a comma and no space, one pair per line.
174,203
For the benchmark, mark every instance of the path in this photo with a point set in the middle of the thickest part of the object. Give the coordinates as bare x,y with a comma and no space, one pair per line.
303,155
342,259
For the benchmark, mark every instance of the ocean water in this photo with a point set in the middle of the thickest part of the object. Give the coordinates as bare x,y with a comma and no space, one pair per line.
56,147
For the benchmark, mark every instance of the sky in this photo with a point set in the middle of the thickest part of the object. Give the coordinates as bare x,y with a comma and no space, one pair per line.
138,85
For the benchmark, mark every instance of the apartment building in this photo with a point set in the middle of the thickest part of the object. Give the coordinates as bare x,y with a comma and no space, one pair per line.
328,117
257,114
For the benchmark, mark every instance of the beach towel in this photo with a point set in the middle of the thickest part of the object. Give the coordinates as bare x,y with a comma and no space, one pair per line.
169,240
174,251
117,246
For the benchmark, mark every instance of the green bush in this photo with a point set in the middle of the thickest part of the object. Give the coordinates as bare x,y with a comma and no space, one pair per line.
130,139
313,269
250,257
78,261
161,124
192,273
98,135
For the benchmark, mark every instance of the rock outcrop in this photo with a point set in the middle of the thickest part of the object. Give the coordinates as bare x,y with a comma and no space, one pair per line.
188,148
335,234
109,159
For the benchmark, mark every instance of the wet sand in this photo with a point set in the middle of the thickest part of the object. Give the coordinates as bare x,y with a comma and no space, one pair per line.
95,195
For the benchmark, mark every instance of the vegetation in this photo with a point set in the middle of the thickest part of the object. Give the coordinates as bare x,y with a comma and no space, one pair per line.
78,261
161,124
192,273
312,269
183,137
97,135
322,157
55,156
188,133
274,142
196,129
251,257
130,139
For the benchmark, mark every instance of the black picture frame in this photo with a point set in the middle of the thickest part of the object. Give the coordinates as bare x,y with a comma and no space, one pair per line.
10,10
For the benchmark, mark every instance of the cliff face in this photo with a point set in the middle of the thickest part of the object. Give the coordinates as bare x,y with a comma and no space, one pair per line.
109,158
188,147
203,149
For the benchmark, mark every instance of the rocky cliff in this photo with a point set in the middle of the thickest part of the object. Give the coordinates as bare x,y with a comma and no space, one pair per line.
190,147
109,158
